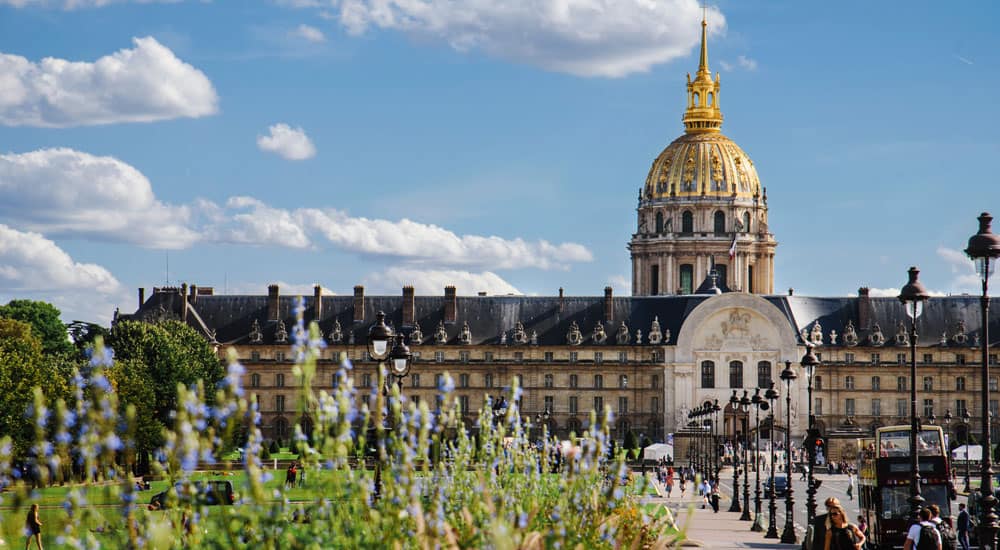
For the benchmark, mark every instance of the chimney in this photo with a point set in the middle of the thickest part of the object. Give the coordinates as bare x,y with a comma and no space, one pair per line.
791,291
318,302
272,302
609,304
194,294
184,302
450,304
142,296
359,303
864,309
560,299
409,307
481,293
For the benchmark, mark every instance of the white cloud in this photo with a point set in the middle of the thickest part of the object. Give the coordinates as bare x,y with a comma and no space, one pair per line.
609,38
250,221
310,34
742,62
964,276
894,292
74,4
432,282
621,284
289,143
68,193
143,84
32,266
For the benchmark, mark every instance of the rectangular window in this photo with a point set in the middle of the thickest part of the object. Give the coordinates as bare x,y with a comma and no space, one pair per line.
764,374
550,403
488,356
463,356
548,357
598,381
848,382
416,356
599,405
279,356
876,407
928,407
900,358
255,356
622,381
279,403
960,383
900,383
415,380
623,357
623,405
366,380
549,381
928,358
654,381
488,380
849,407
818,382
735,374
875,358
654,404
928,383
993,383
654,280
416,399
819,407
960,407
573,357
876,383
960,358
993,359
279,380
598,357
848,357
439,356
994,408
463,382
574,381
463,403
438,379
707,374
686,278
335,381
574,406
519,356
901,407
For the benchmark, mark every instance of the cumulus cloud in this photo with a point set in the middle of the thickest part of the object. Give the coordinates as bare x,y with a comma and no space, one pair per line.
287,142
608,38
250,221
309,34
35,267
143,84
63,192
894,292
963,271
432,282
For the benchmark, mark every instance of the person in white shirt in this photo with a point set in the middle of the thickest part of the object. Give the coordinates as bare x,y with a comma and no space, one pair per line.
913,535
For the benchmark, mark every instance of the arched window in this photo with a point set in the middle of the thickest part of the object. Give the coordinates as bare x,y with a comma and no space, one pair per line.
280,428
687,222
764,374
659,223
697,98
687,278
736,374
711,99
746,222
720,222
707,374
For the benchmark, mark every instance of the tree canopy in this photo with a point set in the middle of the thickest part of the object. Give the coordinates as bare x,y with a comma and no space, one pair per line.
44,320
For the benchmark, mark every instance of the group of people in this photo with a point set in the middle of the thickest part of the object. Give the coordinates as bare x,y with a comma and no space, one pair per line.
833,531
295,474
668,477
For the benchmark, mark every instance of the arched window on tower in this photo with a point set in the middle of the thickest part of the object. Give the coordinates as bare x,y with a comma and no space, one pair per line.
659,223
720,222
687,278
711,99
697,99
687,222
746,222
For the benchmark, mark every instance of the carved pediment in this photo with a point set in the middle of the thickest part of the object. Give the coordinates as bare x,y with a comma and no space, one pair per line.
737,327
713,342
850,335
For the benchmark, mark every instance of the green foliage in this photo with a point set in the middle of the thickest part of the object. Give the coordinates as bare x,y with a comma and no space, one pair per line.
274,448
45,323
23,367
265,452
84,334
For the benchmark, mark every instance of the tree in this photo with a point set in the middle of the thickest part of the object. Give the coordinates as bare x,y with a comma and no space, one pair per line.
44,321
631,444
84,334
20,372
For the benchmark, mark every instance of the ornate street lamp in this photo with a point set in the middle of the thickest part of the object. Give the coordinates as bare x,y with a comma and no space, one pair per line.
772,531
758,404
983,250
734,404
745,409
947,418
913,295
380,337
715,441
809,363
967,418
788,534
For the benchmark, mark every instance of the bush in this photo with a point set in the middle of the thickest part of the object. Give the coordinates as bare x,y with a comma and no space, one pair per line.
265,452
275,448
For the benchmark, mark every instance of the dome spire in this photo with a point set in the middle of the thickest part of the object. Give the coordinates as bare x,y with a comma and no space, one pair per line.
703,114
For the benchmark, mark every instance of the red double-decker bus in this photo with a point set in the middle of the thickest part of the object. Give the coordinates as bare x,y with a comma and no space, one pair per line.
884,480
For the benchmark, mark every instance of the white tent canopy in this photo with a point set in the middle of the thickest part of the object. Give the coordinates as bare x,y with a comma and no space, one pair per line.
657,451
967,452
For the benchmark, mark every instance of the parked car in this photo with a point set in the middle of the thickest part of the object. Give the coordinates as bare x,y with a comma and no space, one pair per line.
206,492
780,486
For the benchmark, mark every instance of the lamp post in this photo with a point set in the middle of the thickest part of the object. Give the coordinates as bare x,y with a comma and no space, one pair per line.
913,295
772,530
809,363
983,250
380,336
967,418
788,534
734,404
745,409
947,418
758,404
715,442
707,411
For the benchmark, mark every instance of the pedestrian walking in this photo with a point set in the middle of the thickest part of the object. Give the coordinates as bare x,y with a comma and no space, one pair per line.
963,526
714,500
842,534
850,486
33,527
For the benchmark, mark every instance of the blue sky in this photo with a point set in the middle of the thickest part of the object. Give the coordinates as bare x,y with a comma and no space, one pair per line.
497,146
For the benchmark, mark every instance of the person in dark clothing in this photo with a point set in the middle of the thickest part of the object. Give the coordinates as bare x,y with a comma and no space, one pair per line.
819,525
841,534
714,498
964,525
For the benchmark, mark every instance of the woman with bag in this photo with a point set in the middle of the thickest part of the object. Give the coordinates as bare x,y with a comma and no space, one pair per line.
841,534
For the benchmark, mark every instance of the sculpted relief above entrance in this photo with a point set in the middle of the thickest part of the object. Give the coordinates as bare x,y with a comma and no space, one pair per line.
736,329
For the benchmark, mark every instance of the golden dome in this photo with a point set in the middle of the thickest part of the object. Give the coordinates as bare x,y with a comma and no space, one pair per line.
702,164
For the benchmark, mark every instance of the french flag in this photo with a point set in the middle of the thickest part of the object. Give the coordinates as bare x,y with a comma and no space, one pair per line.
732,249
